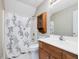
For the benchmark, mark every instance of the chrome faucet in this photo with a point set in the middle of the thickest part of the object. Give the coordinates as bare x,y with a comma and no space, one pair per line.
61,37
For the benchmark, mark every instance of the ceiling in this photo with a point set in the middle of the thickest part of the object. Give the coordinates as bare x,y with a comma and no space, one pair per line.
33,3
62,4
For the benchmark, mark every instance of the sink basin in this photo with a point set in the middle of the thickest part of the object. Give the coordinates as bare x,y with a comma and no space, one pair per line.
68,43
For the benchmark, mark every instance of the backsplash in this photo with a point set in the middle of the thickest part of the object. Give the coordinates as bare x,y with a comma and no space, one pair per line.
17,34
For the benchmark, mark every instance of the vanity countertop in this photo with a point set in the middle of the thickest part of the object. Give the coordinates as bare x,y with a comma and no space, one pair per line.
69,44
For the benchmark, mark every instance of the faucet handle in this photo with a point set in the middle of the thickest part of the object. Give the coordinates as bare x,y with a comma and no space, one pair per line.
61,37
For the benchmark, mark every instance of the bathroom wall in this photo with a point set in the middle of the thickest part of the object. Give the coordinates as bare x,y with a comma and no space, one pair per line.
34,28
63,21
1,29
44,7
15,6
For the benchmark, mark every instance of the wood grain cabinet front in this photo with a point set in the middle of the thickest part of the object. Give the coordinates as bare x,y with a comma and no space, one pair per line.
52,57
43,54
42,23
67,55
47,51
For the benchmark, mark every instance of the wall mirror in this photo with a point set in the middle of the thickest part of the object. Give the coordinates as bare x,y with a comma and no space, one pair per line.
65,22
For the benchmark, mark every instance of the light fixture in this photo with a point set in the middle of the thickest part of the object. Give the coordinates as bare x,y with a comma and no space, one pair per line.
52,2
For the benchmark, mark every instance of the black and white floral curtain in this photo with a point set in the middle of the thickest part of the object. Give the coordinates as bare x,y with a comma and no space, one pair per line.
17,34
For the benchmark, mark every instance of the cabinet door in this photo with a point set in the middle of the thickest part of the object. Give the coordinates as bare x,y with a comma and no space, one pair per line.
67,55
43,54
41,23
51,57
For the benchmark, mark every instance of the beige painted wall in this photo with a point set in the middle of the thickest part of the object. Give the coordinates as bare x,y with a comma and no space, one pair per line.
1,30
63,21
44,7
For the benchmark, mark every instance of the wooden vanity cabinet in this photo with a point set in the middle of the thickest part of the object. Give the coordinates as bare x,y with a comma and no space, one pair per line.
41,23
47,51
43,54
51,52
67,55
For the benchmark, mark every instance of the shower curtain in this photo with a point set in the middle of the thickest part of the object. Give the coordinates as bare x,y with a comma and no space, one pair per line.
17,35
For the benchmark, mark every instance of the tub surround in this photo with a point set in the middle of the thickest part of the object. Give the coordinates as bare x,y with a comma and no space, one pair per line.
69,44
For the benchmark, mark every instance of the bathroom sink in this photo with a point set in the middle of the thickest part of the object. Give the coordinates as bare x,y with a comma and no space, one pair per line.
68,43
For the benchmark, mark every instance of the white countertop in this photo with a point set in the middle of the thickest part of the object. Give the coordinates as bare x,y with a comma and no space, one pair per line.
69,44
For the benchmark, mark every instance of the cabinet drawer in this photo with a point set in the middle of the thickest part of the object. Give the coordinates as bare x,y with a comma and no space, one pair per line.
51,49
